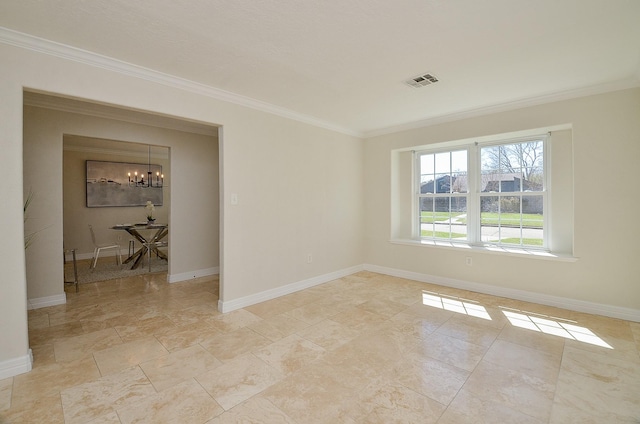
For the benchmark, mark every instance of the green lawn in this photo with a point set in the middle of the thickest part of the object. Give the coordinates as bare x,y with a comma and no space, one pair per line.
430,217
529,220
525,241
441,234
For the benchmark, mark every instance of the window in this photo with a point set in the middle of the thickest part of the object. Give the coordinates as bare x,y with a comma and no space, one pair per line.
443,195
490,194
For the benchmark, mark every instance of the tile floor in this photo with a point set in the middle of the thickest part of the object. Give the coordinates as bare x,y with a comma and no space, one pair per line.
366,348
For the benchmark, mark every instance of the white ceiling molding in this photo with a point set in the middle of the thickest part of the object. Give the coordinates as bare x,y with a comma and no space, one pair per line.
82,107
30,42
38,44
505,107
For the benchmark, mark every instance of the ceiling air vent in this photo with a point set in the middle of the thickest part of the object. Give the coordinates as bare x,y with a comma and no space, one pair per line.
422,80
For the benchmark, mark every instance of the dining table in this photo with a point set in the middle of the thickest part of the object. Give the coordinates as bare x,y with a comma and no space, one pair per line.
150,236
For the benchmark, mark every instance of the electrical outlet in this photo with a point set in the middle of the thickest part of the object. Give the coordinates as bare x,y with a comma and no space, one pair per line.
468,260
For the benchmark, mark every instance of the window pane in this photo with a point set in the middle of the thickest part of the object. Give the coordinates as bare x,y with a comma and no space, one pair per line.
489,219
459,182
532,220
443,163
427,217
513,167
458,218
426,164
516,220
444,217
443,183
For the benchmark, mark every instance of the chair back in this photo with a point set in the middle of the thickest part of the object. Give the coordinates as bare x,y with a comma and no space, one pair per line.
93,236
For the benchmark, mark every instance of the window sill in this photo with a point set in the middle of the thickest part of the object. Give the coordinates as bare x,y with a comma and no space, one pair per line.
494,250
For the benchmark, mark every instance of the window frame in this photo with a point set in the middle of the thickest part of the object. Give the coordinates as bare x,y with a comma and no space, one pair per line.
474,195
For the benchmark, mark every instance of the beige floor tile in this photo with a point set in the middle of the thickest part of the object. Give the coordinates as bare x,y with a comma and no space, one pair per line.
78,347
329,334
435,379
413,325
428,313
308,400
45,409
277,327
228,346
595,399
49,335
601,366
186,402
238,380
75,314
524,393
470,329
526,360
187,335
126,355
234,320
38,321
6,387
359,349
144,328
357,318
394,403
43,355
290,354
312,313
109,418
95,399
467,408
255,410
383,307
271,308
194,314
453,351
178,366
51,379
548,343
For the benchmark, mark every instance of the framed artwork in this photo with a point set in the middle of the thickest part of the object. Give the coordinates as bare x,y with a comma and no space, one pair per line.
123,184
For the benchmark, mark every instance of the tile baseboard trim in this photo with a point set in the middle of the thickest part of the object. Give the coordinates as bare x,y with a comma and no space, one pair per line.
43,302
232,305
619,312
15,366
184,276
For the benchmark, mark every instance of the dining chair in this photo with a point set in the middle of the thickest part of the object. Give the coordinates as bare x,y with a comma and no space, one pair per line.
98,247
65,252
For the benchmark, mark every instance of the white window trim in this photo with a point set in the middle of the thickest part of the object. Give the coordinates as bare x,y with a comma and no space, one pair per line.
474,195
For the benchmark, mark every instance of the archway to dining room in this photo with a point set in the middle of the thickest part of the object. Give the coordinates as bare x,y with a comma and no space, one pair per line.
62,136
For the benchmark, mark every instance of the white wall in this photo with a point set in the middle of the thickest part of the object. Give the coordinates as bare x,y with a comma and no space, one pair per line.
299,186
606,147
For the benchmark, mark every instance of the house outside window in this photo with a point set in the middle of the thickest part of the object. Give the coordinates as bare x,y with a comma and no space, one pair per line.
487,194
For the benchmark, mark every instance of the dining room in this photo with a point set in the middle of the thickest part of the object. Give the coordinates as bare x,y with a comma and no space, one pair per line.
67,198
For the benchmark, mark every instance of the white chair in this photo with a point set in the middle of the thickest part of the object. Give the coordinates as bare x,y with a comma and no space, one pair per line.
103,246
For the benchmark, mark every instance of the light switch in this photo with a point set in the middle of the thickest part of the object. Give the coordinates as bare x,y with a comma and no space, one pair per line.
234,198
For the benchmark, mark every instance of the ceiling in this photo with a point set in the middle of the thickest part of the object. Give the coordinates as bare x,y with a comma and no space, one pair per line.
344,63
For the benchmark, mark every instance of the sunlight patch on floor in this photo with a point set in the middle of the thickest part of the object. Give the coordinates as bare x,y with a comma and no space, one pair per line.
550,326
455,304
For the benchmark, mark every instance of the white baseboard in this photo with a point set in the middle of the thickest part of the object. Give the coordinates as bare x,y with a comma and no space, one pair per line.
174,278
43,302
263,296
544,299
15,366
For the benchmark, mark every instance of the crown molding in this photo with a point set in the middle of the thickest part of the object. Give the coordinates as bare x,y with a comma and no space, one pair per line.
30,42
52,48
624,84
